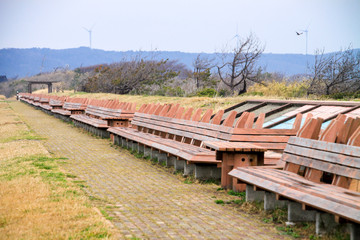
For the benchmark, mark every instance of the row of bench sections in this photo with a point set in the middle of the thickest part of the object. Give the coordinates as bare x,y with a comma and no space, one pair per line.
94,115
301,168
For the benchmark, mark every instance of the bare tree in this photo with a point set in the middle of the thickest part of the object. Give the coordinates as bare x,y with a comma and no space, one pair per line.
241,66
335,73
202,66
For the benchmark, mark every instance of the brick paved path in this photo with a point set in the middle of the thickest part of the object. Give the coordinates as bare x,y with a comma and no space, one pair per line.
148,202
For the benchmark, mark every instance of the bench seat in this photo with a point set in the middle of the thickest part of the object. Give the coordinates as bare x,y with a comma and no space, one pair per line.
191,153
46,107
325,197
98,123
61,112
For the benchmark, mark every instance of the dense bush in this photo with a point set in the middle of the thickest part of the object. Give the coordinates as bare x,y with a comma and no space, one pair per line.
206,92
280,89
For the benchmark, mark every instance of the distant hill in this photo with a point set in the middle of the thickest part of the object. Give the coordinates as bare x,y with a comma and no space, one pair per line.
16,62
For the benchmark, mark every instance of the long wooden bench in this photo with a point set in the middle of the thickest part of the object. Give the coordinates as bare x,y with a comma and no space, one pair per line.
70,107
318,174
97,119
176,133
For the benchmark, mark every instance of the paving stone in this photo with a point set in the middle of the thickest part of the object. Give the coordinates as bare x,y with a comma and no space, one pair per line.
147,201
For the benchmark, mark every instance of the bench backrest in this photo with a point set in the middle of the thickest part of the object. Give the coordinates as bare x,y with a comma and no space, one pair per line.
75,104
272,139
57,101
330,159
326,160
189,126
197,127
111,110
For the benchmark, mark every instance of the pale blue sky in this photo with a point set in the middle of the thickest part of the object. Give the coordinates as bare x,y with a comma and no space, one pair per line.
179,25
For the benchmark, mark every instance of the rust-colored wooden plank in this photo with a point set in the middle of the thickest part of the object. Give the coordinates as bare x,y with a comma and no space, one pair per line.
297,122
354,140
260,121
252,138
345,132
264,131
217,118
207,115
172,110
331,132
241,121
311,129
179,113
250,120
165,110
188,113
320,154
197,115
326,146
229,121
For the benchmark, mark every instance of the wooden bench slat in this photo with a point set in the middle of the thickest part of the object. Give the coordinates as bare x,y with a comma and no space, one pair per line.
322,166
323,155
326,146
260,138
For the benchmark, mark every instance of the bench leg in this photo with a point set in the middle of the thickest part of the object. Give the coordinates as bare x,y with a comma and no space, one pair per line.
325,223
179,164
189,169
207,172
252,195
162,157
155,154
270,201
122,142
147,151
140,148
170,161
297,214
354,229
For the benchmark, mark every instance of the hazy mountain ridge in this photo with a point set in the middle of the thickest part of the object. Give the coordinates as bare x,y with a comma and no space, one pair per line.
27,62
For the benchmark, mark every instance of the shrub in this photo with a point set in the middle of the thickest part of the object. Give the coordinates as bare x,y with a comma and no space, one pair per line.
207,92
280,89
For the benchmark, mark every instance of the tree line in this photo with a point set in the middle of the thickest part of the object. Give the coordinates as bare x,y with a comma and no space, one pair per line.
235,70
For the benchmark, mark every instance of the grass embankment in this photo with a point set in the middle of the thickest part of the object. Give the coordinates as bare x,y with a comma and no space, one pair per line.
38,200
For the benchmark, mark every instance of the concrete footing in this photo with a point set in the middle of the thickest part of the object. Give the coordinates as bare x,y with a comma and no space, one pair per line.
325,223
189,169
147,151
170,161
354,230
270,201
297,214
207,172
252,195
162,157
179,164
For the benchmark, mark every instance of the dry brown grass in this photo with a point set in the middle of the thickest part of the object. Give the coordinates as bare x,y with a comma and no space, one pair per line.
2,97
38,200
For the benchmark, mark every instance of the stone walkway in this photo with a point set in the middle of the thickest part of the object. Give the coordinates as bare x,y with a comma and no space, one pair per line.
146,202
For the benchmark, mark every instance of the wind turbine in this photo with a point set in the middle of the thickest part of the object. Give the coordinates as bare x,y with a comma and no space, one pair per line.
306,31
89,31
237,36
